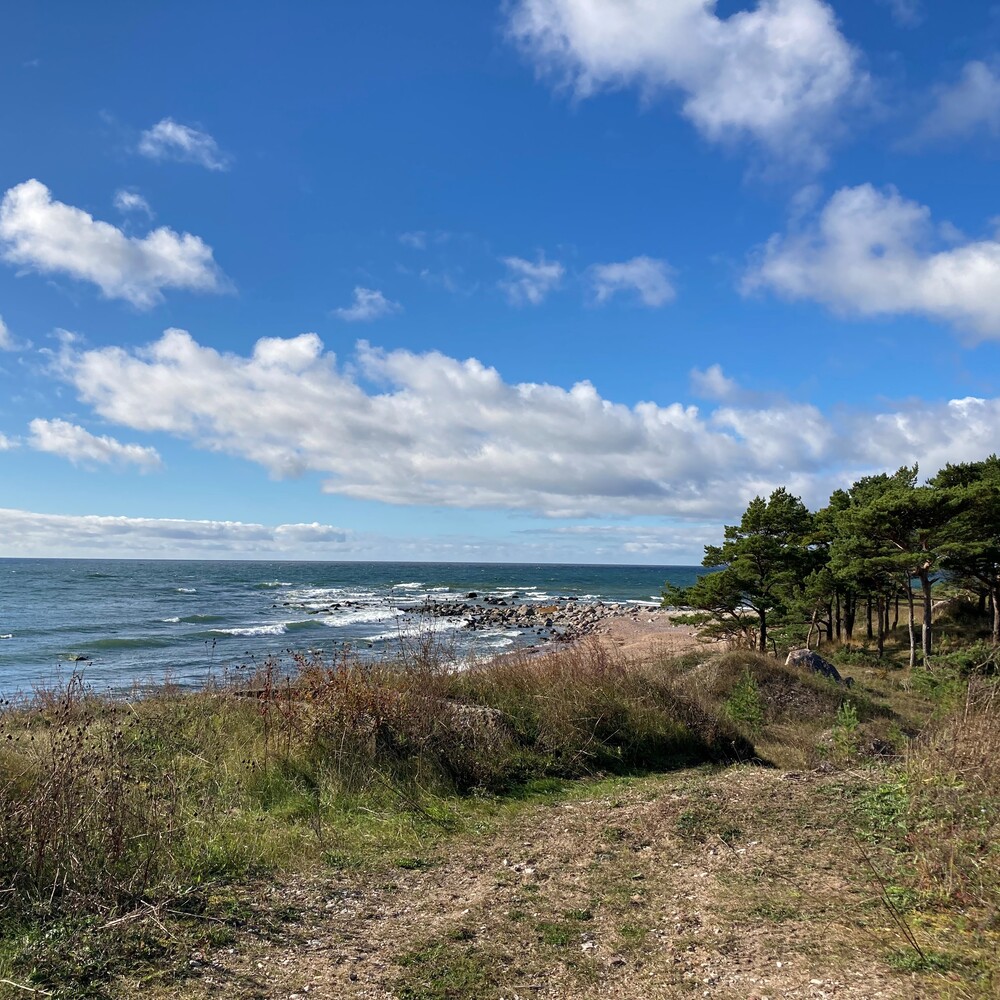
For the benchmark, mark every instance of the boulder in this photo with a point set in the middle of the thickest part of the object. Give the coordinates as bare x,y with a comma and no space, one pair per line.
808,660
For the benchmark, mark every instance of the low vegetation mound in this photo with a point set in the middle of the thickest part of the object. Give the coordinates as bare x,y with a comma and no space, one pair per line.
106,804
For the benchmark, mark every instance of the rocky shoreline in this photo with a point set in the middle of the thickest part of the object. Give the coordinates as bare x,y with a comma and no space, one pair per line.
560,620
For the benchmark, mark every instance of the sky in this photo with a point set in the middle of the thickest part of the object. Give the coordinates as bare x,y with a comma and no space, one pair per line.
528,281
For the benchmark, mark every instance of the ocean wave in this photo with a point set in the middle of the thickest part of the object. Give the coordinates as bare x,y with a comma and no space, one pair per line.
645,604
279,628
171,621
139,642
407,586
185,590
320,598
308,623
420,629
200,619
9,635
272,584
340,618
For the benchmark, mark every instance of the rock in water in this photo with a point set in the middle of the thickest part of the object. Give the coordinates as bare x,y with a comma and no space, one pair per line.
809,660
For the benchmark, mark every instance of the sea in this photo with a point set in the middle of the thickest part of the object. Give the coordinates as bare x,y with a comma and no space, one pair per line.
127,623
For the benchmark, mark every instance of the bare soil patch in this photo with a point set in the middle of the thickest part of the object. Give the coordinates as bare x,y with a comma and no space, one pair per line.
741,883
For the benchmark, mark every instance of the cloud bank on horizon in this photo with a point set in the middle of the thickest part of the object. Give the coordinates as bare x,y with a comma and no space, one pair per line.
574,219
453,433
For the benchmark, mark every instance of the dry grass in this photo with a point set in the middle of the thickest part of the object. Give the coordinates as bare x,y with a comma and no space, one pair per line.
953,783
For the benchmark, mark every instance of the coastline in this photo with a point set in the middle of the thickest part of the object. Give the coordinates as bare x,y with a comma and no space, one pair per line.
123,621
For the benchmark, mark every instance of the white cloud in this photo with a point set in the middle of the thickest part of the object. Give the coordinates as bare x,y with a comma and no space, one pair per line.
778,73
369,304
453,433
51,237
417,240
6,443
647,277
170,140
963,108
6,338
712,383
530,283
131,201
58,437
908,13
27,532
871,253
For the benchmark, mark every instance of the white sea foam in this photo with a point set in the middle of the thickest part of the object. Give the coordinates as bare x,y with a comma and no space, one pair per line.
321,597
645,604
9,635
186,590
361,615
276,629
407,586
419,629
269,584
171,621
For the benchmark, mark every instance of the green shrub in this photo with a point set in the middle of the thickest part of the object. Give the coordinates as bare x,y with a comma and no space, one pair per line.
744,705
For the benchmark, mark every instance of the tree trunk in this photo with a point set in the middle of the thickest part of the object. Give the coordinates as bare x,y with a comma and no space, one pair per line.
913,630
829,623
836,599
895,619
850,613
925,583
762,644
880,609
868,612
994,595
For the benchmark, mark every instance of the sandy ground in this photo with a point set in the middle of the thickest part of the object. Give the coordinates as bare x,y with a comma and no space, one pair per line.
648,633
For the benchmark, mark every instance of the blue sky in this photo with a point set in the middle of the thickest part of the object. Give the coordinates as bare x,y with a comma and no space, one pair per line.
548,280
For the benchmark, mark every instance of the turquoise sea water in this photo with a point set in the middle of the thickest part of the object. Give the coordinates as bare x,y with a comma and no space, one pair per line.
138,621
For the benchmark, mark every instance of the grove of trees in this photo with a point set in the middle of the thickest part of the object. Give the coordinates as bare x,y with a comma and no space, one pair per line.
788,575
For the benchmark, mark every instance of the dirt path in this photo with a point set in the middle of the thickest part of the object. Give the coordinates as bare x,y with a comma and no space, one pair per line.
737,884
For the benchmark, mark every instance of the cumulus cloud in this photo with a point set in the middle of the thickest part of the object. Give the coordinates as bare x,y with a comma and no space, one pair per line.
59,437
713,383
778,73
871,253
6,338
32,533
453,433
170,140
369,304
131,201
530,282
48,236
647,277
6,443
966,107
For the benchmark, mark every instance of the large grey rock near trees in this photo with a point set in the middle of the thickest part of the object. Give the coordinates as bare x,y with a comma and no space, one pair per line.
808,660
